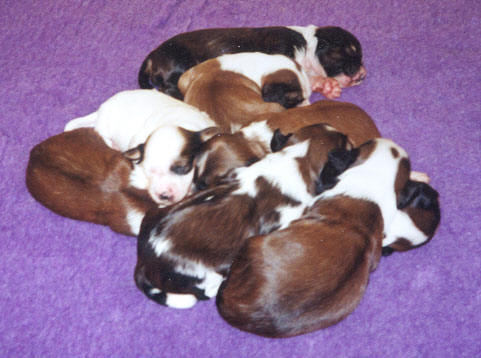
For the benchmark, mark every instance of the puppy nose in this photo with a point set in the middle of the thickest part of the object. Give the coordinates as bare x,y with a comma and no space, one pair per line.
201,184
166,197
361,75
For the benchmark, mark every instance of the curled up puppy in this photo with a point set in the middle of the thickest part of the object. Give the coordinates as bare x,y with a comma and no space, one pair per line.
185,251
76,175
313,273
160,134
233,89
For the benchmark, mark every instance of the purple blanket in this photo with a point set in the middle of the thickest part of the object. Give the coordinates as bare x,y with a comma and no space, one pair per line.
67,287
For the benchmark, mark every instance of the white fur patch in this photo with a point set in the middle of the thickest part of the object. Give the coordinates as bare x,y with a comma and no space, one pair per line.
180,300
373,180
306,57
160,244
134,219
256,65
289,214
403,227
281,170
126,119
259,131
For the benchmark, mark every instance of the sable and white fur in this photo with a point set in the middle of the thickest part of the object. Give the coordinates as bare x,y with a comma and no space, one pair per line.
331,56
314,273
160,127
226,151
75,174
185,251
234,88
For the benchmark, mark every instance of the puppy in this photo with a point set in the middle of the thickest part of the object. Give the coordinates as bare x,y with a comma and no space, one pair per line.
313,273
161,133
75,174
416,220
185,251
331,56
233,89
225,151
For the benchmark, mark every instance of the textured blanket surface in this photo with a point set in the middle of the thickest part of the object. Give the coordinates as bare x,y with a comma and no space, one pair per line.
67,287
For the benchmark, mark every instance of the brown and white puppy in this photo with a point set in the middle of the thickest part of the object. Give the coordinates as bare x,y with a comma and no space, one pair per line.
313,273
165,131
416,220
75,174
225,151
185,251
233,89
331,56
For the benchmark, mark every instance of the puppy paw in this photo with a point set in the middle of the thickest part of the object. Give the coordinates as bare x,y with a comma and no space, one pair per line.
329,87
418,176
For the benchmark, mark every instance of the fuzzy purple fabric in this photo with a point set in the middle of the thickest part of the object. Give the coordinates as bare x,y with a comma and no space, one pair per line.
67,287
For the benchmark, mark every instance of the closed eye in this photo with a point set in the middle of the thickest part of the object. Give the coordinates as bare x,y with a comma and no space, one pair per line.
180,169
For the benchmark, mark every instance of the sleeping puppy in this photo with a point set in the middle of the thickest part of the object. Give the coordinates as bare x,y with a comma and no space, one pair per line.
416,220
162,135
185,251
75,174
226,151
313,273
331,56
233,89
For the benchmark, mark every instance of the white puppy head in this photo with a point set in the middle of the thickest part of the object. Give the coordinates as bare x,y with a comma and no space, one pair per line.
164,164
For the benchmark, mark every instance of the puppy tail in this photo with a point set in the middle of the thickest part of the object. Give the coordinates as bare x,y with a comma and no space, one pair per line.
82,122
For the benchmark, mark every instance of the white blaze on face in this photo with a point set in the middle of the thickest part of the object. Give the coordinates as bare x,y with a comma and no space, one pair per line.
163,150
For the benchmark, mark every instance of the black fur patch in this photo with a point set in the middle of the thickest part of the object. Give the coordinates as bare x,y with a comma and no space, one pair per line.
339,160
279,140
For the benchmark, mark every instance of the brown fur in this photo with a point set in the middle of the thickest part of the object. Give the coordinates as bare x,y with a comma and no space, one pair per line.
227,97
344,117
75,174
308,276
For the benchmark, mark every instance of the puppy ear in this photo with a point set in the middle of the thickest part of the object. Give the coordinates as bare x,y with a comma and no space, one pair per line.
338,161
287,95
418,195
279,140
208,133
185,80
135,155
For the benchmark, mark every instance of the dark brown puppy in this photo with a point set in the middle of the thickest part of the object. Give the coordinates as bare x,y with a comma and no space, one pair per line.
331,56
75,174
314,273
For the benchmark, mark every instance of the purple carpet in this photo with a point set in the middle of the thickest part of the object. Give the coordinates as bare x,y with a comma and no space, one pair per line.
67,287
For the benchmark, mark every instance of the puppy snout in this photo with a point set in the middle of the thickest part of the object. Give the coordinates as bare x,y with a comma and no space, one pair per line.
360,76
166,197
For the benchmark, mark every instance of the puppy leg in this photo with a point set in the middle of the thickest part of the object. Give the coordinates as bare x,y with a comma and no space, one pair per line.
329,87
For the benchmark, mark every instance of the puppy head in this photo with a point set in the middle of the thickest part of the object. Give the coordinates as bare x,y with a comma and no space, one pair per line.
222,153
164,164
323,140
417,219
340,54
